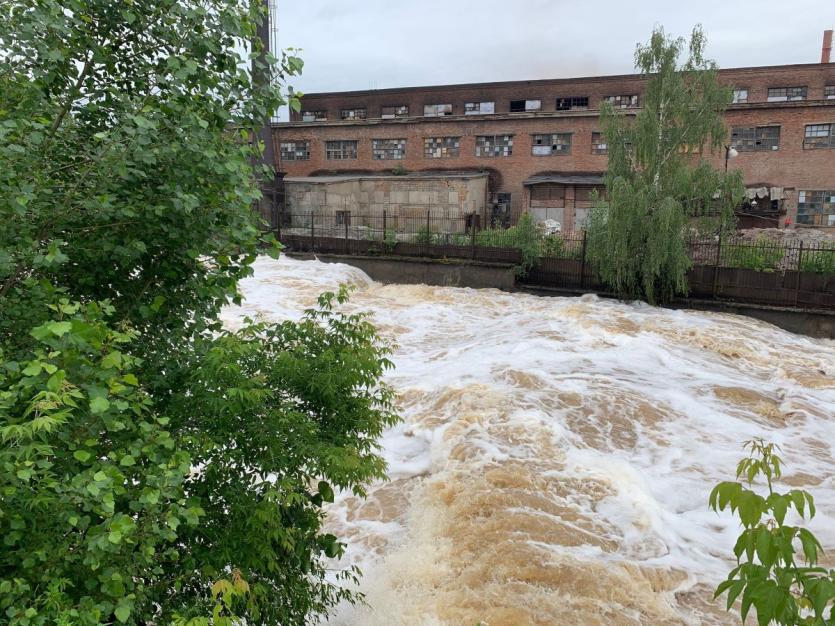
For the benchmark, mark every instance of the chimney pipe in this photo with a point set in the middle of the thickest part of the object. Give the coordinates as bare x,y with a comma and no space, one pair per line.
826,50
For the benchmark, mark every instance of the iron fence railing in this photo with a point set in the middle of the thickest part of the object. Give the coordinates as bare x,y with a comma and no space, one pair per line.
763,271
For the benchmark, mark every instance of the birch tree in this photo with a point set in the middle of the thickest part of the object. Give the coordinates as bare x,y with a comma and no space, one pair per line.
659,182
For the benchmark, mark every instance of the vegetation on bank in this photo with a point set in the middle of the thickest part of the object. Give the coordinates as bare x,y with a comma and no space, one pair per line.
154,467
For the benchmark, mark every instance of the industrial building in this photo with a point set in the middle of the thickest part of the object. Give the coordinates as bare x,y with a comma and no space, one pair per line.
537,146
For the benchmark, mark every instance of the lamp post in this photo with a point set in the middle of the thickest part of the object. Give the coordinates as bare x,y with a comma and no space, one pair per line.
730,153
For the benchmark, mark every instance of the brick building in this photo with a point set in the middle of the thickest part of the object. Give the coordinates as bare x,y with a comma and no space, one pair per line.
539,140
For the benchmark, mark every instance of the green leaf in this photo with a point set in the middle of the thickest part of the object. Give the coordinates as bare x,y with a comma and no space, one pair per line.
122,612
81,455
127,461
59,329
99,405
326,491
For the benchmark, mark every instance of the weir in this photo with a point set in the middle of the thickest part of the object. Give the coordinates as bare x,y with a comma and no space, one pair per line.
817,323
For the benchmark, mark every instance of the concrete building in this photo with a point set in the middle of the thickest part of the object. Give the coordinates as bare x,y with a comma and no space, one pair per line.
538,142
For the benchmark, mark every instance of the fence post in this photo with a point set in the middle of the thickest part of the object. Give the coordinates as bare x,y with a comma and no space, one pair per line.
799,266
312,231
472,235
347,219
583,262
428,230
385,230
716,262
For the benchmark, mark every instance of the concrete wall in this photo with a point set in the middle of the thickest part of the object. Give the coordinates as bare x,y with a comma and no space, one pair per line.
405,199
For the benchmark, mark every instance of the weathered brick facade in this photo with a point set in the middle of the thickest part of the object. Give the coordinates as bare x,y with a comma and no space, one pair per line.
791,166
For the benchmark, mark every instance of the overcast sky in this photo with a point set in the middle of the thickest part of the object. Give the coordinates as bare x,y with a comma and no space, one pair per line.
374,44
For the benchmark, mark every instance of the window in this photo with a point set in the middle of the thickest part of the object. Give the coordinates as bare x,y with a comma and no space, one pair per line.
343,218
819,136
520,106
493,145
314,116
352,114
740,96
397,110
622,102
598,144
546,145
575,102
829,92
816,207
550,194
437,110
388,148
782,94
441,147
478,108
340,150
754,138
294,150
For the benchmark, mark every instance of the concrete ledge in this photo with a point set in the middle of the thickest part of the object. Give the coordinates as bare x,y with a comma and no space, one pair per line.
480,275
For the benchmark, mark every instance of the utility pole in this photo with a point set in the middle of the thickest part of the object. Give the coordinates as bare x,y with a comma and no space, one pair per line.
261,77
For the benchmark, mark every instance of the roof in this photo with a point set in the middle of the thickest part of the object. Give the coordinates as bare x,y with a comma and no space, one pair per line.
339,178
566,179
553,81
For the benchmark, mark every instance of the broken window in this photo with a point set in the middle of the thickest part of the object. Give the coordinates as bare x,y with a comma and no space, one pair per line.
829,92
493,145
598,144
478,108
397,110
388,148
352,114
546,145
755,138
341,150
441,147
816,207
740,96
294,150
819,136
520,106
622,102
552,194
314,116
574,102
783,94
437,110
343,218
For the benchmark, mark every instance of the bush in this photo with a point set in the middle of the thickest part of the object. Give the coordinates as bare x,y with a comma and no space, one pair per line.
762,255
525,237
819,261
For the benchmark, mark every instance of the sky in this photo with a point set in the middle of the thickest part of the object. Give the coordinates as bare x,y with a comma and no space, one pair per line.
375,44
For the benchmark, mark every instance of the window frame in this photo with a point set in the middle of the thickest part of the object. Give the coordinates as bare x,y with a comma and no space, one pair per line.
438,113
595,146
389,153
317,116
571,104
494,146
552,142
284,156
819,141
343,148
757,135
822,203
737,90
786,96
634,101
353,116
469,111
525,108
398,111
447,152
829,92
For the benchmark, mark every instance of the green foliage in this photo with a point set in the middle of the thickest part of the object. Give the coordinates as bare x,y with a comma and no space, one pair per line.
525,237
147,455
763,255
767,576
655,185
427,237
819,261
390,239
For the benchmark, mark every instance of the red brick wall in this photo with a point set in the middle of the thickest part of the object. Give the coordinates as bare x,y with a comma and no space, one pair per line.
791,166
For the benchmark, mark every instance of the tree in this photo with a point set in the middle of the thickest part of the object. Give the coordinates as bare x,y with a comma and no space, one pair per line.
155,468
658,180
767,575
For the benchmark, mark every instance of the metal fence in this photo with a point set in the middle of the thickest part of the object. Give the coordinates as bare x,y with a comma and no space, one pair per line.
792,274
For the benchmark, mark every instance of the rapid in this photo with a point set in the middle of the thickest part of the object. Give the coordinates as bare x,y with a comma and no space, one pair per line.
556,454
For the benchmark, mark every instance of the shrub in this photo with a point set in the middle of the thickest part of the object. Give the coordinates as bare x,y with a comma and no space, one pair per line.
767,575
819,261
762,255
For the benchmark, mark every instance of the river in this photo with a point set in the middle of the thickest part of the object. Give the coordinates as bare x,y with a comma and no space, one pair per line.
556,454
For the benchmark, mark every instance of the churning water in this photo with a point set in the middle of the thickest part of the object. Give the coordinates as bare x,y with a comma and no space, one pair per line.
556,454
